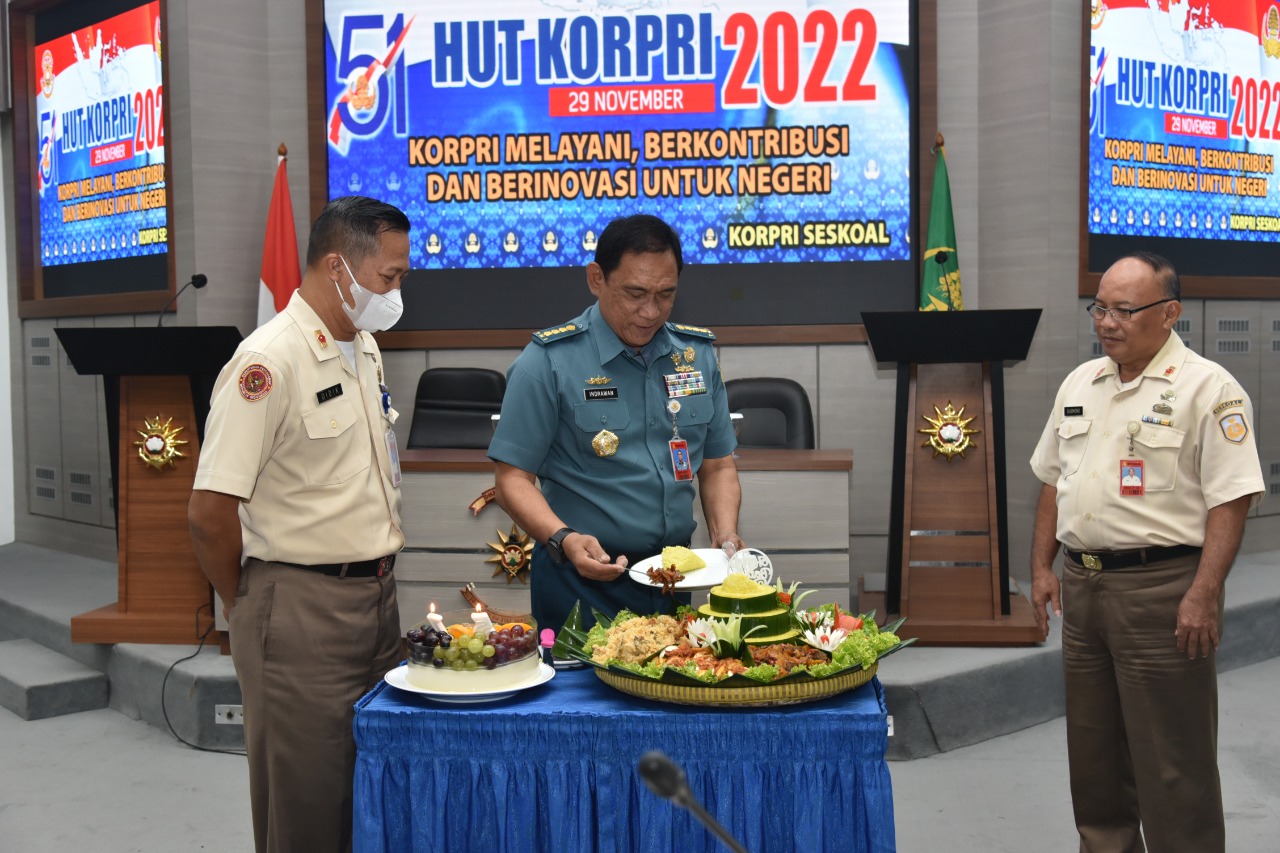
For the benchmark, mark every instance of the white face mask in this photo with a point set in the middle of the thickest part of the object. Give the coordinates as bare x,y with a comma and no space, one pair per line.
374,312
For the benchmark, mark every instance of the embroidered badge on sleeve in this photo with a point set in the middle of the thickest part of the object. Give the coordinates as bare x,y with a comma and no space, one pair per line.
1234,427
255,382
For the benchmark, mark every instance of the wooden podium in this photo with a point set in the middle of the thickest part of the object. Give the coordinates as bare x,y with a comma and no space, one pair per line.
152,375
948,565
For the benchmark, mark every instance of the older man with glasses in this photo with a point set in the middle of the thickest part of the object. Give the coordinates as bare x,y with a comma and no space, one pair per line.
1149,469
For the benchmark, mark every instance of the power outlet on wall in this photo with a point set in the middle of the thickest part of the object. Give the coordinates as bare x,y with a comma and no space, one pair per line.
228,715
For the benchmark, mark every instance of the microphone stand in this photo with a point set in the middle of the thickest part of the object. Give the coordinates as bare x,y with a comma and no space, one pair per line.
665,778
197,281
688,801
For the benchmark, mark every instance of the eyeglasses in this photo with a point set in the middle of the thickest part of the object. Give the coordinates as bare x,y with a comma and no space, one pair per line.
1124,315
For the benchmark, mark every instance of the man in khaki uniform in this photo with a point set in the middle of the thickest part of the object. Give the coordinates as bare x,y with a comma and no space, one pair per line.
295,519
1149,468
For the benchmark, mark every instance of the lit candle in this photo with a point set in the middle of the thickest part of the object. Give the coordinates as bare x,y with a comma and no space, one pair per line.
483,625
436,620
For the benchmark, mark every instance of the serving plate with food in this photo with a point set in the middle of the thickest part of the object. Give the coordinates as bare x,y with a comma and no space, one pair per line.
751,643
682,568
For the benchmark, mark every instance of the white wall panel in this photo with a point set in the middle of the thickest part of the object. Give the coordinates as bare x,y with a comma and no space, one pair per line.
435,514
41,378
1266,407
78,423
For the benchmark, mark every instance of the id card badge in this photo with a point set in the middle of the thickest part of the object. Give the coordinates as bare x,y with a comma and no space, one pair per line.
1132,478
393,453
680,459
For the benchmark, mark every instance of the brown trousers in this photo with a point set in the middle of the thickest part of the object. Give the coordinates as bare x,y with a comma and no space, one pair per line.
306,647
1142,719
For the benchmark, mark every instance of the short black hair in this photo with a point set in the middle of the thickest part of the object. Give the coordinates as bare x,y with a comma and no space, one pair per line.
350,226
636,234
1166,275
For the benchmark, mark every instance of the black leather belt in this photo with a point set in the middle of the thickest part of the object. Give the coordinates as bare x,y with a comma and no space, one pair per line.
1105,561
364,569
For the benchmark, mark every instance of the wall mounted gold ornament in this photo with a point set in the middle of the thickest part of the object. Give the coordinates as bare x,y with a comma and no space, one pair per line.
949,435
514,553
159,444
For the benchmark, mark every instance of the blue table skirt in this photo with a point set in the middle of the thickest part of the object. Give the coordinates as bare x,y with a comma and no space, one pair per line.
553,769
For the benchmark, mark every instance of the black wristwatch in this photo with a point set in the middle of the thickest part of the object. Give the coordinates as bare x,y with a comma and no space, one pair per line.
555,544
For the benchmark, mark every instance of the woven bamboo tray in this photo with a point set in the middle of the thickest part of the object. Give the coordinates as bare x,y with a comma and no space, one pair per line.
792,692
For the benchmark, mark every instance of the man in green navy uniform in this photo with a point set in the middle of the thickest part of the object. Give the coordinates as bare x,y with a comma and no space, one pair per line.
615,412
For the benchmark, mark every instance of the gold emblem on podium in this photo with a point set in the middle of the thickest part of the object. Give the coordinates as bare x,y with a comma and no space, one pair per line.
514,553
159,444
949,433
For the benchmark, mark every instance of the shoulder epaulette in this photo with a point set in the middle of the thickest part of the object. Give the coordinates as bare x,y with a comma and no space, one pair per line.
692,331
556,333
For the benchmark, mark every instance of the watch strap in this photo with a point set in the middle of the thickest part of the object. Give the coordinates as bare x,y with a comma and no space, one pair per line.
555,543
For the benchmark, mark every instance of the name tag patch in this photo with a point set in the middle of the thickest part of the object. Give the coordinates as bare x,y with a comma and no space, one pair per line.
329,393
589,394
1072,411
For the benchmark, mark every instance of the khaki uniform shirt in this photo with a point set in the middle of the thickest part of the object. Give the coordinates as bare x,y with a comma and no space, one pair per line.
1194,435
300,438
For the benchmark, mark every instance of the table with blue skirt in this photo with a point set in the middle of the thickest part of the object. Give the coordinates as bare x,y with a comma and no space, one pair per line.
554,768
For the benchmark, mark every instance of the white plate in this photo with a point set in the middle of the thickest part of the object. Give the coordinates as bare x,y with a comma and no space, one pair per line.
399,678
714,574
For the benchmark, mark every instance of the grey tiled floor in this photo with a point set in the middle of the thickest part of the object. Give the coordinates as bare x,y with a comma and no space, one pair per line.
100,781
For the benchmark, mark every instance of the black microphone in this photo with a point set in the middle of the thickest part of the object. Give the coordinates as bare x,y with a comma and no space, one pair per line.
665,778
197,281
941,258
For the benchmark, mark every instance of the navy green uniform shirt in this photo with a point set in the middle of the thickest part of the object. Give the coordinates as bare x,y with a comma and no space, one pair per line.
575,381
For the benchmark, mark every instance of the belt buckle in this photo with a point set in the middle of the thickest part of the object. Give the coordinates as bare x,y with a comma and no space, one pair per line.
1091,561
384,566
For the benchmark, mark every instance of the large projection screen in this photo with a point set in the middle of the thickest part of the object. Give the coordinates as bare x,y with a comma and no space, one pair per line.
777,136
1181,127
90,157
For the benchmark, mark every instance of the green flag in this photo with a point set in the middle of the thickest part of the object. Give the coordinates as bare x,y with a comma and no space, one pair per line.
940,275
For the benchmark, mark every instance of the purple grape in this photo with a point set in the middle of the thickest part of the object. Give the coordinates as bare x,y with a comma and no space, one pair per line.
446,640
438,663
417,635
490,663
517,630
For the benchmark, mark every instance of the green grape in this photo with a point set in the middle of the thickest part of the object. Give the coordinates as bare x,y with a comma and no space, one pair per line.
451,654
475,645
470,664
488,651
437,652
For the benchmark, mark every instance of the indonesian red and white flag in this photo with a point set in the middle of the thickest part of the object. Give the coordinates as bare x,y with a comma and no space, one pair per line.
280,274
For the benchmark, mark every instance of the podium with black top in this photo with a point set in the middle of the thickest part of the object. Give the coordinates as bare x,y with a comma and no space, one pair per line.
157,384
948,564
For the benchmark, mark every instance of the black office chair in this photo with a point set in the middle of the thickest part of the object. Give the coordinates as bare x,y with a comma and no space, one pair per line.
454,407
775,412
